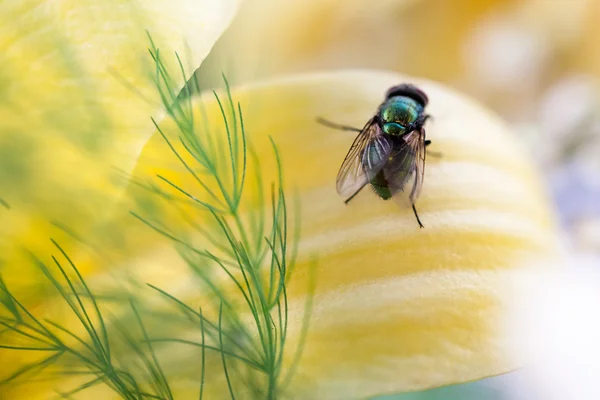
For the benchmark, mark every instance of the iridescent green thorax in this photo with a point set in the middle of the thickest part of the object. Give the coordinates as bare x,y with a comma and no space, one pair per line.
397,113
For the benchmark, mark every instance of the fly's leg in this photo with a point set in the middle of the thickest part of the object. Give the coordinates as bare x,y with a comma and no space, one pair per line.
337,126
417,216
435,154
354,195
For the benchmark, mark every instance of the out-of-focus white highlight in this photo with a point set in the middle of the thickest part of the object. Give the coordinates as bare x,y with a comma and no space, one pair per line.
555,327
501,53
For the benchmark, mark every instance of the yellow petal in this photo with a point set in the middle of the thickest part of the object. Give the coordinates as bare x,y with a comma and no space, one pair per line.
397,308
76,98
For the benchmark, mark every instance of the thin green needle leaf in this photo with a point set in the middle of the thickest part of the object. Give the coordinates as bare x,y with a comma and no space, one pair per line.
74,336
4,204
180,303
176,153
83,315
203,354
194,199
235,149
312,284
245,360
202,158
168,235
84,386
14,328
231,154
223,354
36,367
222,299
162,376
7,301
2,346
105,342
188,100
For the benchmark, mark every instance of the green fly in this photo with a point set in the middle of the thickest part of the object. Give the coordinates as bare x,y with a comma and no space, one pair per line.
389,152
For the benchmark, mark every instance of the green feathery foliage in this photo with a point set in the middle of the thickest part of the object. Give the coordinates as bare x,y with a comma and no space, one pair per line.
119,340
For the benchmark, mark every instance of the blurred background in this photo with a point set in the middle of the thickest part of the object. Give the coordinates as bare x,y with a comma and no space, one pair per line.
534,62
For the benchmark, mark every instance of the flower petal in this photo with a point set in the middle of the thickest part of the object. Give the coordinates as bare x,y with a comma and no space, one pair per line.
397,308
77,93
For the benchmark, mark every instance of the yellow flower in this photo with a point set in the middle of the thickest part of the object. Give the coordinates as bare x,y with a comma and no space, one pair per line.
396,308
392,307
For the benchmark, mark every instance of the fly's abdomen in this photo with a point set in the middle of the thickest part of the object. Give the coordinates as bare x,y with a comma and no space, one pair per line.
380,186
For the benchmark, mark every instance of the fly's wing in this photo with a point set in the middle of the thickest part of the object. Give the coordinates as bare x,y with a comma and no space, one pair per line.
367,156
405,170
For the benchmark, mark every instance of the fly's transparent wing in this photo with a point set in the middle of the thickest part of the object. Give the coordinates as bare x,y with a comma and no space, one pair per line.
367,156
418,144
406,167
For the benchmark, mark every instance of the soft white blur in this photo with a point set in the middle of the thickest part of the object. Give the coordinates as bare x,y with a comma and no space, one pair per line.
556,329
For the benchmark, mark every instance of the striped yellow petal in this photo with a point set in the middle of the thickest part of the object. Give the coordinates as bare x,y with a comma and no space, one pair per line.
397,308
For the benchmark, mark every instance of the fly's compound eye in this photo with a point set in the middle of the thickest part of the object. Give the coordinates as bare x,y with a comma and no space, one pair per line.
410,91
